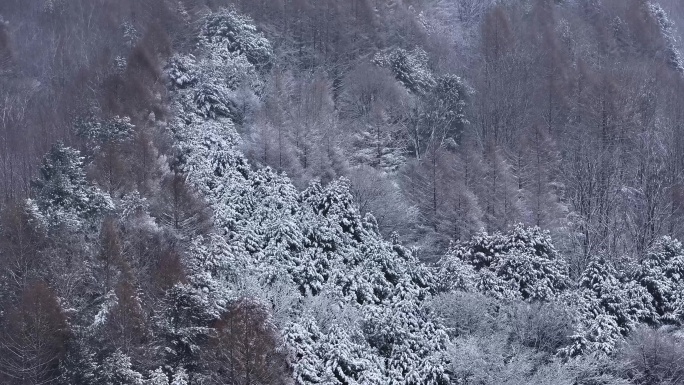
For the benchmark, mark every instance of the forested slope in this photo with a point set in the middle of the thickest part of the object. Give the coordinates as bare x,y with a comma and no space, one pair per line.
361,192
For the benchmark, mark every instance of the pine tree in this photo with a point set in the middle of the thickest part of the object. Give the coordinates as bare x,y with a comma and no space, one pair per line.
116,369
238,34
115,129
185,325
667,29
157,377
522,263
180,377
608,309
445,109
63,194
409,68
661,273
594,335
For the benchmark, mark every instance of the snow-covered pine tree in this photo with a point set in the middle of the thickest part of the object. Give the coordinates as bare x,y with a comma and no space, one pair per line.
409,67
115,129
661,273
606,309
116,369
669,35
522,263
620,298
238,34
63,194
157,377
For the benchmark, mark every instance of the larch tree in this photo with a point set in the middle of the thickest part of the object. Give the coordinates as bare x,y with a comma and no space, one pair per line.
33,339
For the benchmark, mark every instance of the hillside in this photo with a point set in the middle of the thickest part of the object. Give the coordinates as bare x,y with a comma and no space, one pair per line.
363,192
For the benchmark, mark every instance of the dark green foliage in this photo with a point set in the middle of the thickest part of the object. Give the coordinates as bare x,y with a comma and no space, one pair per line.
238,34
114,130
63,194
410,68
446,106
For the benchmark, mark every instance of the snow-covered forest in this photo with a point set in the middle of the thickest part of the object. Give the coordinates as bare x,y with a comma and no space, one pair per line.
341,192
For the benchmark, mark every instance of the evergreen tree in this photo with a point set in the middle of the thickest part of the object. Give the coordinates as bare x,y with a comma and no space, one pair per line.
63,194
238,34
629,303
522,263
115,129
661,273
116,369
157,377
409,68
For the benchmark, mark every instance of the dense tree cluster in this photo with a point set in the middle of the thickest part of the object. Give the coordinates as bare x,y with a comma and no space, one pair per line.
254,192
